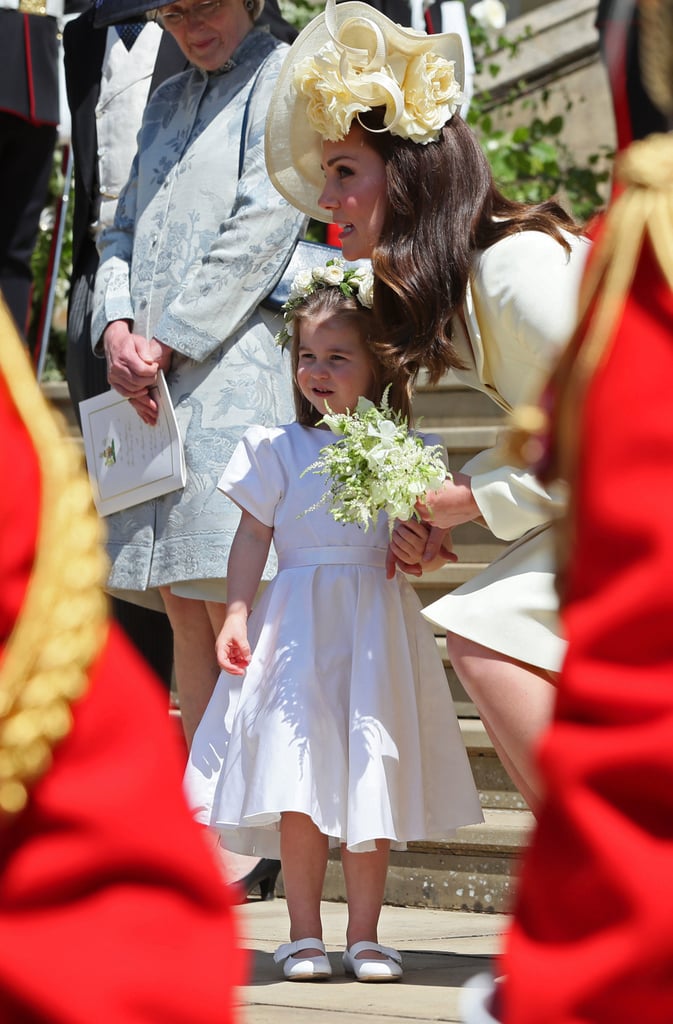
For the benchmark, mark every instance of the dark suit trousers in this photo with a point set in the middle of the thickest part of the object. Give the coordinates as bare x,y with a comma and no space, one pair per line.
26,154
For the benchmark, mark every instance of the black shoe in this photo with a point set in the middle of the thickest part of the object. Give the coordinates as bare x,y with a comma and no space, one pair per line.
264,875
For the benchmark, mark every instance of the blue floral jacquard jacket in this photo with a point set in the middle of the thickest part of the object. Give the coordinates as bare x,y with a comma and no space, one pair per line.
193,250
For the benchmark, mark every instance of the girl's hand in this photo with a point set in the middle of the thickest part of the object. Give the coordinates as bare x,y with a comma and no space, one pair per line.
416,548
451,505
232,647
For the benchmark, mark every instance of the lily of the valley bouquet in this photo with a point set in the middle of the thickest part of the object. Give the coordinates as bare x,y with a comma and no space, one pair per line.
377,465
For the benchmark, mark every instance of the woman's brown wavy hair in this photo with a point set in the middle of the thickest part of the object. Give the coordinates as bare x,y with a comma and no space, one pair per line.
443,206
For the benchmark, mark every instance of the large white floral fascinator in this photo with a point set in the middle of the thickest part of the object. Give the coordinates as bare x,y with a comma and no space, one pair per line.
353,282
350,59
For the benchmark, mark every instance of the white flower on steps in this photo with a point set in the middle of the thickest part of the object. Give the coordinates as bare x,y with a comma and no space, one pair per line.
490,14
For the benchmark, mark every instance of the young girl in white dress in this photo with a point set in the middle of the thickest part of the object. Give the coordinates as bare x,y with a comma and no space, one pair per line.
344,732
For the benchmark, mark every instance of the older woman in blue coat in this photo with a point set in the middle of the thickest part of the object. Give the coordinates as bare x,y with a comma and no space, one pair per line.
200,238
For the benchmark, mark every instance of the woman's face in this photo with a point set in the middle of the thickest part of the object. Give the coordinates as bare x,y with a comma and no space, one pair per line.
207,32
355,191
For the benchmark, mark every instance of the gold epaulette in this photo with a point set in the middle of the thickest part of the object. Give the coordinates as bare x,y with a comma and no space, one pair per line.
643,211
62,625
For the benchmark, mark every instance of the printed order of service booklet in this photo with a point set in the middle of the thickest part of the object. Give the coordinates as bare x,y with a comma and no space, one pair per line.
127,460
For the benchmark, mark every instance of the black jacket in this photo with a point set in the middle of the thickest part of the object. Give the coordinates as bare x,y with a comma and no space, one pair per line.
29,66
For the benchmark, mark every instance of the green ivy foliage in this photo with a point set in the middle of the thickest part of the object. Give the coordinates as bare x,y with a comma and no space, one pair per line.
54,366
531,162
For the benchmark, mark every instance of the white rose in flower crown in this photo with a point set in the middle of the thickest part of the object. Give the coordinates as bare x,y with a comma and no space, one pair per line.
301,284
490,14
432,96
333,275
365,283
331,105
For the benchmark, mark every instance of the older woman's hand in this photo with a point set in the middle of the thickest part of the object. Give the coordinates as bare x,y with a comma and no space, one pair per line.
133,363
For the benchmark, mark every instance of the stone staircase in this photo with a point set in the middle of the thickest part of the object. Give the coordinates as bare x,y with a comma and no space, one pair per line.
477,871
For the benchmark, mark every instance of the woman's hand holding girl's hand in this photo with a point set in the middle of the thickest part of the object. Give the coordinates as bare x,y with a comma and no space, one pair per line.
409,546
133,363
232,647
451,505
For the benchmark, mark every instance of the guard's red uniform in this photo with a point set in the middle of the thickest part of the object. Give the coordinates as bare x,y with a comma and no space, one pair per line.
592,938
111,909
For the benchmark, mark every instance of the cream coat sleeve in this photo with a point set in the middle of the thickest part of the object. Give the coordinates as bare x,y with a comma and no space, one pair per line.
520,313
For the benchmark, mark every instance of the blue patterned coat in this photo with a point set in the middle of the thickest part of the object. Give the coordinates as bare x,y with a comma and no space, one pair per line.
192,252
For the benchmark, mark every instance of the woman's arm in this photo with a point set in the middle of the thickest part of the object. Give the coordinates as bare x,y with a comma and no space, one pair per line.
247,559
524,293
112,287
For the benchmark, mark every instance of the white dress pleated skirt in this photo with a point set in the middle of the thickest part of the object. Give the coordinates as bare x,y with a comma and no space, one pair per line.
344,713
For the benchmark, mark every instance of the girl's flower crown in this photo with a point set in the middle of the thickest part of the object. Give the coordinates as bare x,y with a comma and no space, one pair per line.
353,282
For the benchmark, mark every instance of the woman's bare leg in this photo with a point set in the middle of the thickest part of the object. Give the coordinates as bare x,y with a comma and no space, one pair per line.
365,877
303,857
195,664
515,702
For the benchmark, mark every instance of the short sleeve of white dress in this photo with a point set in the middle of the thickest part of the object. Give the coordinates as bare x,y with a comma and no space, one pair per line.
254,477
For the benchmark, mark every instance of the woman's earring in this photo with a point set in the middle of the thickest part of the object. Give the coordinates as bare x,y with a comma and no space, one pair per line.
249,4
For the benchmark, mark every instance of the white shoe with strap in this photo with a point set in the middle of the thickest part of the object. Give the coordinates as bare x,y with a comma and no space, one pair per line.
303,968
366,969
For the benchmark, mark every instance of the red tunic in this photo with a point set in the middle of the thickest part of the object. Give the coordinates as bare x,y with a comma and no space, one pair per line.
111,909
592,939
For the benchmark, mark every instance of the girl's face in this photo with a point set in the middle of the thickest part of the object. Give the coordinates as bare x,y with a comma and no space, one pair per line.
355,191
208,32
334,365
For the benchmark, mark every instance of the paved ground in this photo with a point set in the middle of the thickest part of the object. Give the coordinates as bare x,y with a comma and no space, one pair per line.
441,949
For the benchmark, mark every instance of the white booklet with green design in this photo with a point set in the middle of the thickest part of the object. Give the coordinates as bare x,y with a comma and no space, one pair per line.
127,460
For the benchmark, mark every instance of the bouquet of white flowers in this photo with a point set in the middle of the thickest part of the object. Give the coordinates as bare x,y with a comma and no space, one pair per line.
377,465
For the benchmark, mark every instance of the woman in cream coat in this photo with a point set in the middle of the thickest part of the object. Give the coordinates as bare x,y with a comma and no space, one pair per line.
364,131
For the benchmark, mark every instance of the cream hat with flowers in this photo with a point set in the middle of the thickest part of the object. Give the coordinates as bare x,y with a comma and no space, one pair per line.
349,59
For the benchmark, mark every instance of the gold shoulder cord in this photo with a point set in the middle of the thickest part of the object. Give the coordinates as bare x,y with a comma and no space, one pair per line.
63,621
643,211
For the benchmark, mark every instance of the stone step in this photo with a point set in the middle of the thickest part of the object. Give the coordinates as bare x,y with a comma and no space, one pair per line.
450,401
475,544
476,871
465,440
434,585
496,789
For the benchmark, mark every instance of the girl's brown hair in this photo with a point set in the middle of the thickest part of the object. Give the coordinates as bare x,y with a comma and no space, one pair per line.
443,206
339,307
